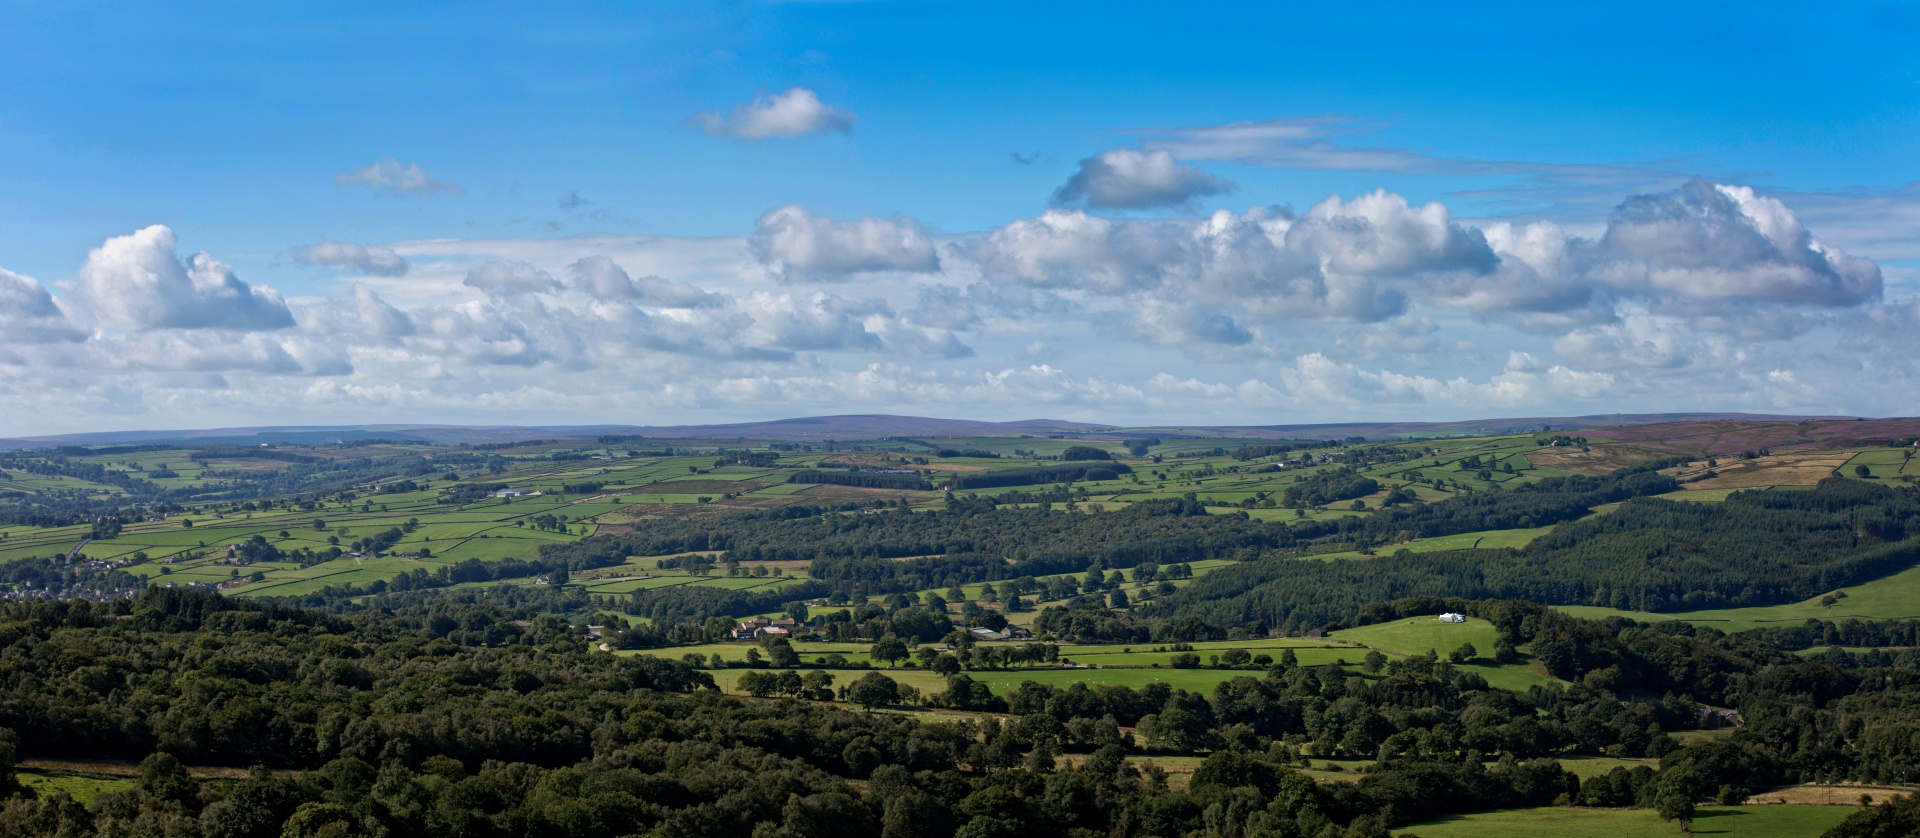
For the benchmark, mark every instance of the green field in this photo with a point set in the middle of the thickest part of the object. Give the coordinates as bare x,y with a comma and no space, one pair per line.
1892,597
1487,540
1782,821
1418,635
83,787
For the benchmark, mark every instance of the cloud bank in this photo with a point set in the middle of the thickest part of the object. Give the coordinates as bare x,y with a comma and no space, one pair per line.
1706,296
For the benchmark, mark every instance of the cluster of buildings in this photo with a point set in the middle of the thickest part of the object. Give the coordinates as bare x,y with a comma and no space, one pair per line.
759,627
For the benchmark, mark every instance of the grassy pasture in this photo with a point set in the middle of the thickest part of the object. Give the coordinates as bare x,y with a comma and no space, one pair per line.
1744,821
1891,597
1320,656
1273,645
82,786
1484,540
1416,635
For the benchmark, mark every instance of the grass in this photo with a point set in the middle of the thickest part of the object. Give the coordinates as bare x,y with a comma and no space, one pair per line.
1743,821
1486,540
1319,656
1416,635
82,786
1891,597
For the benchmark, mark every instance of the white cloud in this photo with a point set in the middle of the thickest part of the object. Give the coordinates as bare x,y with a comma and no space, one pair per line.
387,176
1169,322
138,282
1712,244
504,277
1342,260
602,278
361,314
1125,178
376,261
1365,306
798,245
794,113
29,314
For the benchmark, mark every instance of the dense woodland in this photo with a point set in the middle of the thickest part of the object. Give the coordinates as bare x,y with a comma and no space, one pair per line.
467,719
414,705
1757,548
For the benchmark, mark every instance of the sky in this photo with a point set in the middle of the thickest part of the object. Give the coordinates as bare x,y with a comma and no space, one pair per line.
221,215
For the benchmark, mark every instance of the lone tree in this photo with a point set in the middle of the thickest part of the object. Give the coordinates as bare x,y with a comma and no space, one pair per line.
873,690
889,649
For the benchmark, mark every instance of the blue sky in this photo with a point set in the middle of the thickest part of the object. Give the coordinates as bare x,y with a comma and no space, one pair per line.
1108,211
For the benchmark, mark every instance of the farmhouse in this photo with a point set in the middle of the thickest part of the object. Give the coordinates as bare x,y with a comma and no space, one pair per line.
510,493
759,627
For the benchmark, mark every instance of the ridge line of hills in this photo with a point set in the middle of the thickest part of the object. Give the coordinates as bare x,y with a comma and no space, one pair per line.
853,427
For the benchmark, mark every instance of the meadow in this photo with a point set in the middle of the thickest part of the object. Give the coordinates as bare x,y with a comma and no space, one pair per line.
1892,597
1776,821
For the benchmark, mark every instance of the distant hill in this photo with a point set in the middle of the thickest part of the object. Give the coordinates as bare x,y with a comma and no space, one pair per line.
1688,431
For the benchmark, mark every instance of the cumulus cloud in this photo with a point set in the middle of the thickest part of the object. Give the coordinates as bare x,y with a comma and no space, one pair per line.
1726,258
1125,178
361,314
138,282
388,177
500,276
798,245
1712,243
794,113
29,314
375,261
1168,322
1708,297
1349,260
602,278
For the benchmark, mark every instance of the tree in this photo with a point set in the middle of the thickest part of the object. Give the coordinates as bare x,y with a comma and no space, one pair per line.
873,690
1373,662
780,652
1464,654
9,755
1117,599
1862,471
1674,791
760,684
817,685
889,649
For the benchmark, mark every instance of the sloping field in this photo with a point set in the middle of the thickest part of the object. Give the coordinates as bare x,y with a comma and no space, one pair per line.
1559,822
1788,469
1713,438
1892,597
